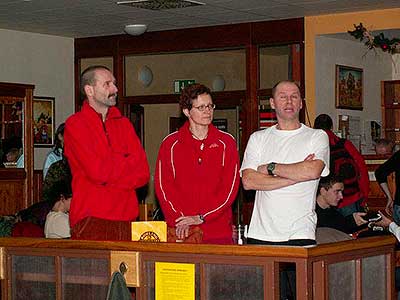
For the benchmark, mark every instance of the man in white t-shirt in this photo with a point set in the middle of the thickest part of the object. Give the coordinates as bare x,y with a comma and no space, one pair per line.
283,164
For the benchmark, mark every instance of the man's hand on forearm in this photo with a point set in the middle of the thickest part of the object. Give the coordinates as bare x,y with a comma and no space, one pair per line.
308,169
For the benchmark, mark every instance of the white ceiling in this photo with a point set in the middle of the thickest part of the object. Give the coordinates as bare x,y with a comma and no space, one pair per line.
83,18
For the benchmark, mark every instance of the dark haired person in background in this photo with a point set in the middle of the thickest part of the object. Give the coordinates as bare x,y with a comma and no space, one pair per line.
329,194
56,153
384,147
346,162
57,220
197,172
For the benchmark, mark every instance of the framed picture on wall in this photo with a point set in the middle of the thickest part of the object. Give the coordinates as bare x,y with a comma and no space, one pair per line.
349,87
43,121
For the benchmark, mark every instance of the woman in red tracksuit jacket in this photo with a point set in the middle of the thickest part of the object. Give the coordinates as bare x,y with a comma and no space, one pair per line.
196,178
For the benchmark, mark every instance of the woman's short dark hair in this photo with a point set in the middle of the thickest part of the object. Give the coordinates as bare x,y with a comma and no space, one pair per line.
323,121
58,145
191,93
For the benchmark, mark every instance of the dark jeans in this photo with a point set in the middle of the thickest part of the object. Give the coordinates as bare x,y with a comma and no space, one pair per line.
287,274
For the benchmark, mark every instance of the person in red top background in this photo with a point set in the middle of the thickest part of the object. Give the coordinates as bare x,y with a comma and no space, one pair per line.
197,172
354,172
106,158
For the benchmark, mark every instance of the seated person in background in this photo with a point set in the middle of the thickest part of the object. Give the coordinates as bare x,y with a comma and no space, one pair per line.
57,220
383,147
12,155
329,194
30,221
381,175
34,220
15,155
58,171
56,153
346,162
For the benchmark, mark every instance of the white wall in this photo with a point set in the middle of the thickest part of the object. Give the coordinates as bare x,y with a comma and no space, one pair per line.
44,61
377,66
396,67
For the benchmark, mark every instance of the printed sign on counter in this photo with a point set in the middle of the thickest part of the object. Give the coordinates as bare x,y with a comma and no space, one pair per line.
175,281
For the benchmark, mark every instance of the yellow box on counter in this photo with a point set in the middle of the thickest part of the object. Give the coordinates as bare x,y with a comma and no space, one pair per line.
149,231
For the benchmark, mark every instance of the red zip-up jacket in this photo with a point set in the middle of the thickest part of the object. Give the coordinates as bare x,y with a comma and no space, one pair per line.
363,180
192,180
107,163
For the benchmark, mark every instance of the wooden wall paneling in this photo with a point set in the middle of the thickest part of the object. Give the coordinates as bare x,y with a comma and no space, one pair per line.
211,37
297,62
28,145
278,32
95,46
119,73
250,103
77,74
11,196
37,185
229,99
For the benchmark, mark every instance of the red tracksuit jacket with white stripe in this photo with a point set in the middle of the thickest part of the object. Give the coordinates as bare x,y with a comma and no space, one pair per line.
192,179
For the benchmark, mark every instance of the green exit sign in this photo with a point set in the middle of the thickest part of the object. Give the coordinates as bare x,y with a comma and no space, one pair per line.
180,84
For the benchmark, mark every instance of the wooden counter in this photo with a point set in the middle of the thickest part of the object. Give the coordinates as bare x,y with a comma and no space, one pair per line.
65,267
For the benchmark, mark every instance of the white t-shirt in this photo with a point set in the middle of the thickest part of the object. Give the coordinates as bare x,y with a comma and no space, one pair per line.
285,213
57,225
395,229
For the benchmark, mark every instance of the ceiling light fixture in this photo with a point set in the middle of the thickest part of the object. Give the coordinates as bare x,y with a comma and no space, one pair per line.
160,4
135,29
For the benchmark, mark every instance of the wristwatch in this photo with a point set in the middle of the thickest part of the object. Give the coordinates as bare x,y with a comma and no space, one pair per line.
271,168
201,217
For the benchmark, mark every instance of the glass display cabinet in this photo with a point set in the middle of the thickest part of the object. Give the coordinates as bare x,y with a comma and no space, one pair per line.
16,147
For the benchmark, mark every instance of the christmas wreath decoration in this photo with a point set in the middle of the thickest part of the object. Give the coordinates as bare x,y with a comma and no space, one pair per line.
361,33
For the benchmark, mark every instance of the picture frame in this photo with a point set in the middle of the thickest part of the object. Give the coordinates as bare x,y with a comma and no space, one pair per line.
43,121
349,87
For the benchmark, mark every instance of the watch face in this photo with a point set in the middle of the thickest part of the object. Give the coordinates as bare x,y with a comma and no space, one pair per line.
271,168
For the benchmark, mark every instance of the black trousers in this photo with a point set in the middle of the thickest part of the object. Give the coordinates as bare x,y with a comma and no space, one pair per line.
287,274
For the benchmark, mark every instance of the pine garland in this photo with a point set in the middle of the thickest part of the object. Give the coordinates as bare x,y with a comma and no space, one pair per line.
361,33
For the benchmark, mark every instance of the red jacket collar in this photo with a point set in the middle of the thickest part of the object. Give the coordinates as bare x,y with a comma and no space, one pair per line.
113,112
185,133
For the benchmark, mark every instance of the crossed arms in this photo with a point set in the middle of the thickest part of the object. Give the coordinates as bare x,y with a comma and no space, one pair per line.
284,174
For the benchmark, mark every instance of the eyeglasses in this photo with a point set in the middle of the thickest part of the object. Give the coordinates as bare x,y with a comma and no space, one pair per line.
203,107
